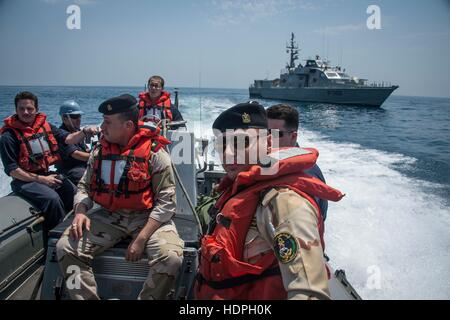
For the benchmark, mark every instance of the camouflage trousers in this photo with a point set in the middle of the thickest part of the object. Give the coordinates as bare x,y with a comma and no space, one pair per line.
164,250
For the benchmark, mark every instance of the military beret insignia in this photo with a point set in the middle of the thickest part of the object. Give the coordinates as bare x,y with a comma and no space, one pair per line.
242,116
246,118
120,104
285,247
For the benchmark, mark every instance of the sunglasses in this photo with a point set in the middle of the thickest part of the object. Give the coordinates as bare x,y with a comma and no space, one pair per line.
234,141
281,133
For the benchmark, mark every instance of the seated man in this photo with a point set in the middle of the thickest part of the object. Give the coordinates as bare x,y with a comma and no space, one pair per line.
155,104
28,147
285,119
74,156
266,237
129,174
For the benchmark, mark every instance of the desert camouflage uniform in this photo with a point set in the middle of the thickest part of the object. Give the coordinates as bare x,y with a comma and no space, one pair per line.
284,214
164,248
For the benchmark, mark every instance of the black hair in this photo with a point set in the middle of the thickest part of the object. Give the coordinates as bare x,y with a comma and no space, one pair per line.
132,114
284,112
25,95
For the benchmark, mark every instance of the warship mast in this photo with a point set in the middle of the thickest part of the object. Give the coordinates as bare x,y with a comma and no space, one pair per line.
292,49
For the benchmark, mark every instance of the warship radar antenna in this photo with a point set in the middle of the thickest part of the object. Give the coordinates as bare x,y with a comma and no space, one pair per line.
292,49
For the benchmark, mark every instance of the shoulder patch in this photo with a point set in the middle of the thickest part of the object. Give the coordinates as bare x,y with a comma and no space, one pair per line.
285,247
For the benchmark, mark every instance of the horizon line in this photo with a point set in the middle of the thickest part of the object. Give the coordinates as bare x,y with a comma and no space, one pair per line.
187,87
114,86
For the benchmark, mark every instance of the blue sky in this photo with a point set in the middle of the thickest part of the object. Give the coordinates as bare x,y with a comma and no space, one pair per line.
225,43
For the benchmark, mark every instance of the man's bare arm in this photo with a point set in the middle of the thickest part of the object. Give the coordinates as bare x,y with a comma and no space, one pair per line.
80,155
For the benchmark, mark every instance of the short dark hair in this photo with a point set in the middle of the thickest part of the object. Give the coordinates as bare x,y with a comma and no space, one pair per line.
284,112
132,114
159,78
25,95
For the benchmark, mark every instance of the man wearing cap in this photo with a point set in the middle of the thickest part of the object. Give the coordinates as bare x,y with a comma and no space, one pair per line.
285,119
266,238
74,156
129,175
155,104
28,147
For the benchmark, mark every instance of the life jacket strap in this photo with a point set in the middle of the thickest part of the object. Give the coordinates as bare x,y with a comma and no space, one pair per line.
98,172
238,281
31,156
47,138
123,182
224,221
118,194
117,157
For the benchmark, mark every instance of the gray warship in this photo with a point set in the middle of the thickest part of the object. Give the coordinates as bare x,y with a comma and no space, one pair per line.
318,82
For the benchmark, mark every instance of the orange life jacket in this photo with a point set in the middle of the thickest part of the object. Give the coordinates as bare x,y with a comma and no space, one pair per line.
38,145
162,104
121,178
223,274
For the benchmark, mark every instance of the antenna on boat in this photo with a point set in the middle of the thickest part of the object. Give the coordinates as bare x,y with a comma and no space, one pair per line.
200,98
323,44
292,49
176,97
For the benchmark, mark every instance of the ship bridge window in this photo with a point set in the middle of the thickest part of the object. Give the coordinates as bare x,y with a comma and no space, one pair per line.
343,75
332,75
312,71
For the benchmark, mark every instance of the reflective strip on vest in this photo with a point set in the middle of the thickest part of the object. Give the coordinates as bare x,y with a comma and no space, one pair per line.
118,170
288,153
39,146
154,110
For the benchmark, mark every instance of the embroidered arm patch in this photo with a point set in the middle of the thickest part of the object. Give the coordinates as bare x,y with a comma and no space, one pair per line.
285,247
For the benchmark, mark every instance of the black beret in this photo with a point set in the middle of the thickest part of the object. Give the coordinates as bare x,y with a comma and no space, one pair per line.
120,104
242,116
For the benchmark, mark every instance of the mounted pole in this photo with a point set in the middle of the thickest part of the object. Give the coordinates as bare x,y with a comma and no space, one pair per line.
292,49
176,97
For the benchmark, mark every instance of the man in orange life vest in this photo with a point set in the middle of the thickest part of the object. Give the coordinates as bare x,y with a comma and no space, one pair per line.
28,147
266,241
129,175
155,104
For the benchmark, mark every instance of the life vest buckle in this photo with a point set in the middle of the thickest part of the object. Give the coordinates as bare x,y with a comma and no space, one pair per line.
224,221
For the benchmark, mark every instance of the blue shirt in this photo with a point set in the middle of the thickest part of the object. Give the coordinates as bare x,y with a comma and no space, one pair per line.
323,204
66,150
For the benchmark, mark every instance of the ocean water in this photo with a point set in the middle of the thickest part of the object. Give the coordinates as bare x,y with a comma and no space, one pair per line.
391,233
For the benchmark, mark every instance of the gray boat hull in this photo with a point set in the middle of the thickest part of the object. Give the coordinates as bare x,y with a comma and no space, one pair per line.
21,243
370,96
